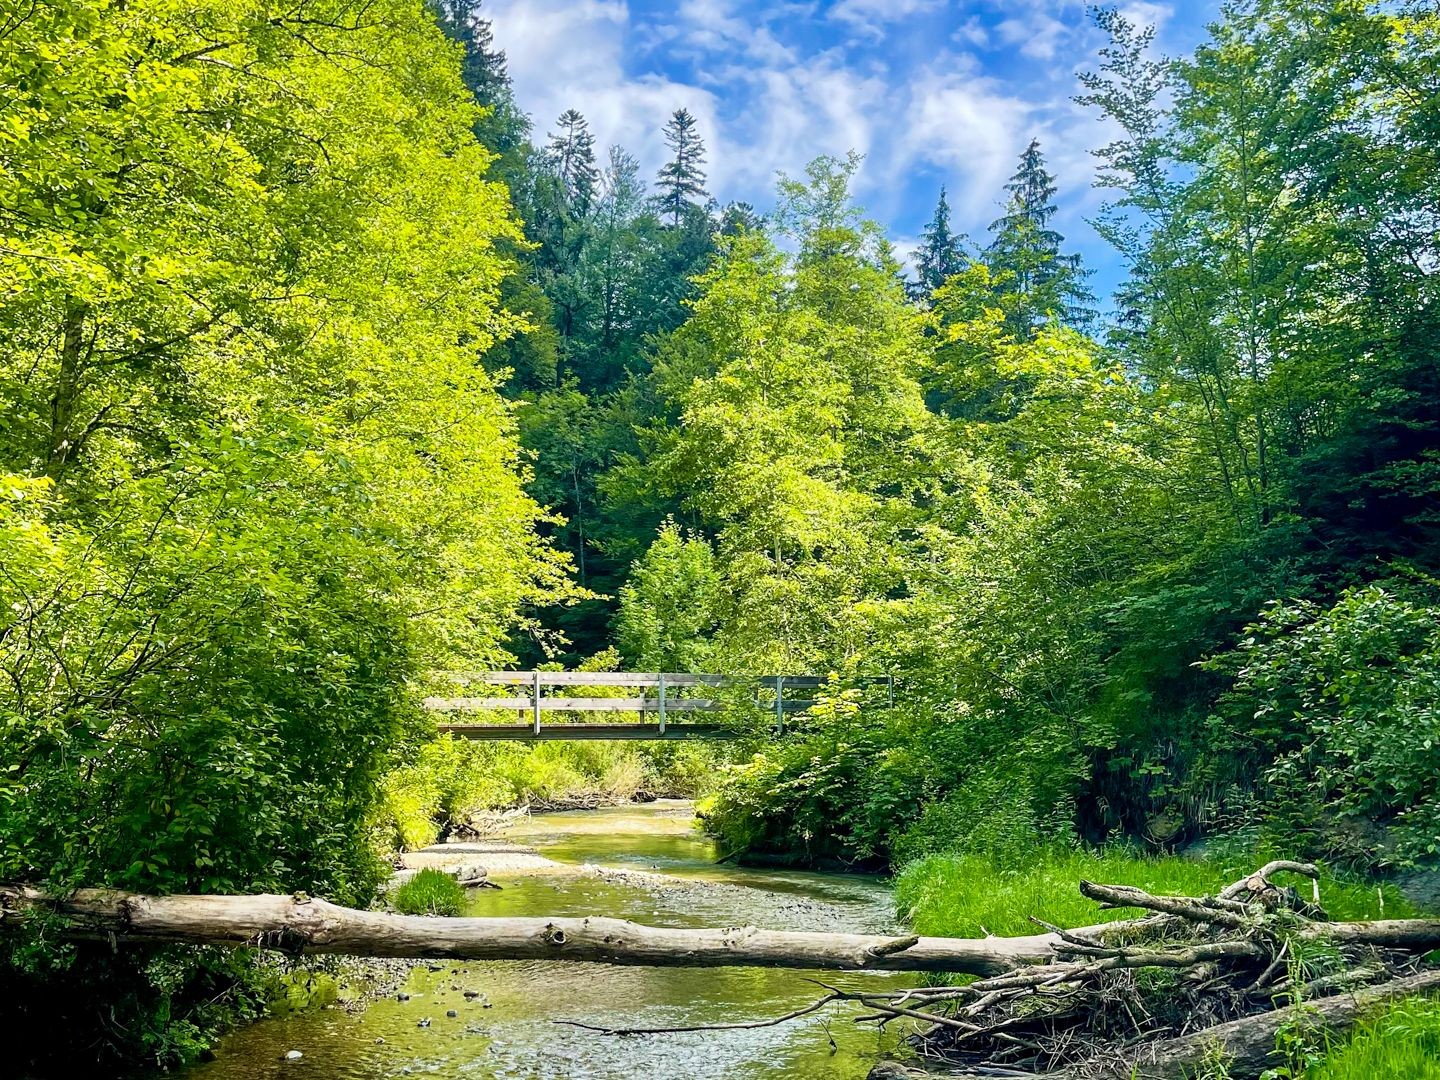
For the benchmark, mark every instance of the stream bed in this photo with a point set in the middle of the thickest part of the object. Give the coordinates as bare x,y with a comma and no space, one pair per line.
509,1031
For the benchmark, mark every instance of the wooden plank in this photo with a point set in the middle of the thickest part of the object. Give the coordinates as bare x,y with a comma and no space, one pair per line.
559,704
588,732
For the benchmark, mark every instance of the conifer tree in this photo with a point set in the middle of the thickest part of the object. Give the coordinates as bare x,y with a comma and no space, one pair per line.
941,255
504,129
1036,280
682,178
571,154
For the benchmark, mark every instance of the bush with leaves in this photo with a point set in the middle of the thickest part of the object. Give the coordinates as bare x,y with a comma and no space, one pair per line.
256,480
1346,701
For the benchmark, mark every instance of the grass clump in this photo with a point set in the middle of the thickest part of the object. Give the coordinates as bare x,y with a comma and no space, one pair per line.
969,895
430,892
1403,1041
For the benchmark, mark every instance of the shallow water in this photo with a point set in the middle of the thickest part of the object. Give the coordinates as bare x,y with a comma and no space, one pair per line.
516,1037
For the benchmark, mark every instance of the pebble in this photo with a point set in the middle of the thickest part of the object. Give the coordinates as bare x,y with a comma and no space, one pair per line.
402,996
451,1013
424,1023
293,1055
471,995
379,1040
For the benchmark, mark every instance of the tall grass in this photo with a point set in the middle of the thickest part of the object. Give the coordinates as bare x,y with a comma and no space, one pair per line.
430,892
1401,1043
971,895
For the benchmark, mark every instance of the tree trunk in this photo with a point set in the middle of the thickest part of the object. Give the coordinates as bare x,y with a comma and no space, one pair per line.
1248,1044
310,925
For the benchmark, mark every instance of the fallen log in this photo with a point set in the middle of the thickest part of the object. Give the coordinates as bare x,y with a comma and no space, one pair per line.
304,924
1247,1045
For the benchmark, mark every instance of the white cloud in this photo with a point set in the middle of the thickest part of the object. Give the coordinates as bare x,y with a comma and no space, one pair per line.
715,25
566,54
969,127
973,32
771,93
869,15
1038,34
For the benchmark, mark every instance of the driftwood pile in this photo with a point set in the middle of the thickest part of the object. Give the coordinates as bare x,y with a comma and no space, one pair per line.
1198,980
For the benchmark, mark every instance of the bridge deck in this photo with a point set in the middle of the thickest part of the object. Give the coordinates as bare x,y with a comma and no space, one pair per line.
669,699
557,732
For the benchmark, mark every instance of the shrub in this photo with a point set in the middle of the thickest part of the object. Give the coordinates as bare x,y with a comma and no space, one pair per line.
1347,700
430,892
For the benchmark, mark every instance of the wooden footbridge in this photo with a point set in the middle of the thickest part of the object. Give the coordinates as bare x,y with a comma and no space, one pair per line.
672,703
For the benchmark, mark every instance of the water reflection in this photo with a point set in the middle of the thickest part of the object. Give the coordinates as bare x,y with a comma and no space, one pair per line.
510,1033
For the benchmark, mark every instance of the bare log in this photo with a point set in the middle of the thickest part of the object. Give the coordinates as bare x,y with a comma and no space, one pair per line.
1249,1042
303,924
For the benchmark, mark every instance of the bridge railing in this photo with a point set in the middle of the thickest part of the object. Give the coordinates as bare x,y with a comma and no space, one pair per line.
670,687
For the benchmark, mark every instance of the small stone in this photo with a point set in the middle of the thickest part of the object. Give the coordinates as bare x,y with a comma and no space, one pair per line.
293,1055
424,1023
471,995
451,1013
402,996
379,1040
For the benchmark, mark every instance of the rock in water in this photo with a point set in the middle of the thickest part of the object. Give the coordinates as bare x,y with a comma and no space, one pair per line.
293,1055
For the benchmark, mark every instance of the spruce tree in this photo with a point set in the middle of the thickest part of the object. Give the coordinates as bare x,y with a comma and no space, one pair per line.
941,254
571,155
1037,281
504,129
682,178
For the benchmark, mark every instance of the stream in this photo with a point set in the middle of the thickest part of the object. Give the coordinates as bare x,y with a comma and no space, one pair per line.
509,1032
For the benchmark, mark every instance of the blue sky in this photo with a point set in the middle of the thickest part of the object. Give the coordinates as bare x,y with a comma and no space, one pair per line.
931,92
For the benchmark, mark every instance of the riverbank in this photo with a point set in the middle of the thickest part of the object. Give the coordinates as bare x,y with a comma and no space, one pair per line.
456,787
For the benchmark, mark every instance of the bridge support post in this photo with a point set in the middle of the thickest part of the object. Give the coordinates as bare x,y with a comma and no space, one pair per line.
662,705
779,704
535,689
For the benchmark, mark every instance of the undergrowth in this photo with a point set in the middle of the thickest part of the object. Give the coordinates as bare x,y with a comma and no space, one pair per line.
1401,1042
430,892
971,895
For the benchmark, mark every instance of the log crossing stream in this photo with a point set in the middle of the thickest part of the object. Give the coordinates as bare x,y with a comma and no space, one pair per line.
508,1032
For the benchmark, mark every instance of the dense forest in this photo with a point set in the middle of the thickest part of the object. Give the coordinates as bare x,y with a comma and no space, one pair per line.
325,369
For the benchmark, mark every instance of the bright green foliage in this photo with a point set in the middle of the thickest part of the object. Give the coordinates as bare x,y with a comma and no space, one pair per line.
430,892
1346,703
1401,1041
256,480
669,604
801,430
972,895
